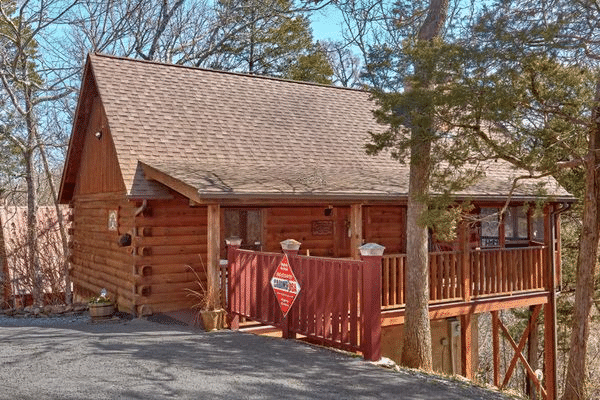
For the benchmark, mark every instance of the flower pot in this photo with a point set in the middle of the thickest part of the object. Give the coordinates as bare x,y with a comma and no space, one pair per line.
213,320
101,310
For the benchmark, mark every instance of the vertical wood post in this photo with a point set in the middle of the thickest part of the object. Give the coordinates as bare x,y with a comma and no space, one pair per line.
213,251
557,254
496,347
502,231
465,261
466,352
233,244
291,248
550,310
532,350
371,255
356,237
466,339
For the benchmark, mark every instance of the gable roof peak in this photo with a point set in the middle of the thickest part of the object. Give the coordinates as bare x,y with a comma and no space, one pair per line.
218,71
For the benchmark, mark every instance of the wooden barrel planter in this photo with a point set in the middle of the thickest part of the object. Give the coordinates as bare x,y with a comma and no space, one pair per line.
101,310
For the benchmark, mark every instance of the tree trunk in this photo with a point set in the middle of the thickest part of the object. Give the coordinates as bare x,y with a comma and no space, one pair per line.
33,265
586,265
416,351
32,248
60,220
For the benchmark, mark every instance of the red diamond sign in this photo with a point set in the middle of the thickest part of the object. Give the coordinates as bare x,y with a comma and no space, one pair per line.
285,285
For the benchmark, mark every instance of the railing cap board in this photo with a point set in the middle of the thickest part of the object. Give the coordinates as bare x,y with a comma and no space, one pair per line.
290,245
371,249
233,241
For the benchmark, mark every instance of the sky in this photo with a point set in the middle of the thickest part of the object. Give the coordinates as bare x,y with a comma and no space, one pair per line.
326,24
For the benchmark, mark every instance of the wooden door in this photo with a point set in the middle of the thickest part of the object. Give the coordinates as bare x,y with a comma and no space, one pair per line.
341,238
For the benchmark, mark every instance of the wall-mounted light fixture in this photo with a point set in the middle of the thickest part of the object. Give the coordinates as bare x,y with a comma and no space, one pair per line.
327,212
98,135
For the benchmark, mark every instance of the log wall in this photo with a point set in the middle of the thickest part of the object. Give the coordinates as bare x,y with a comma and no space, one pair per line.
169,249
385,225
97,260
320,234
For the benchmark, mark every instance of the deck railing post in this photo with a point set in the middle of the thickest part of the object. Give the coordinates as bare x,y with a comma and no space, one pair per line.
465,261
233,244
371,255
291,248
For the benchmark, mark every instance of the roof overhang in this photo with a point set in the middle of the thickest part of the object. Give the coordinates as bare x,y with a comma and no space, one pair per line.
222,192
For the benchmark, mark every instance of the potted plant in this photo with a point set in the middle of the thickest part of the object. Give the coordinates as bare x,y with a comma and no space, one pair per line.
101,306
210,312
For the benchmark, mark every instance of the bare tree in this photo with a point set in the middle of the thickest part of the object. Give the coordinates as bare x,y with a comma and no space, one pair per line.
29,82
344,63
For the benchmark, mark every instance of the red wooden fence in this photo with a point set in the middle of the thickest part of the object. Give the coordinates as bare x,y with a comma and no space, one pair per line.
329,307
493,272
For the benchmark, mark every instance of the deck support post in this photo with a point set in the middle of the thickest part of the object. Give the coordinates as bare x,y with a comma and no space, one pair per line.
213,253
466,338
371,255
532,350
550,310
496,347
233,245
356,236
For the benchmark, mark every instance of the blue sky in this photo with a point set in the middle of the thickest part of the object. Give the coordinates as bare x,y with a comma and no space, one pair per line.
326,24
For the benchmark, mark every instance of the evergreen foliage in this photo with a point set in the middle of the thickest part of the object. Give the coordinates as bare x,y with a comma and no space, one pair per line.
270,38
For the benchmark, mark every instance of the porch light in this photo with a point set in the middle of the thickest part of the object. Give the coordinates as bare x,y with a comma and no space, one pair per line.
371,249
233,241
290,245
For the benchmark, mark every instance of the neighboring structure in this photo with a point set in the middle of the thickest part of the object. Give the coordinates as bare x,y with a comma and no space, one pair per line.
16,277
166,161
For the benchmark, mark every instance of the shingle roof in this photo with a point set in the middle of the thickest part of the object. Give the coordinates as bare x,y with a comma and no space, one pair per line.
226,134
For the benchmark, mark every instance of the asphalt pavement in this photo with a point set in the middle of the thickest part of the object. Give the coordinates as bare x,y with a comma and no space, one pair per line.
73,358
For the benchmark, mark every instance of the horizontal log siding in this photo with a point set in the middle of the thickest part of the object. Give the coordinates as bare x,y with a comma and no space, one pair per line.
283,223
172,237
96,258
385,225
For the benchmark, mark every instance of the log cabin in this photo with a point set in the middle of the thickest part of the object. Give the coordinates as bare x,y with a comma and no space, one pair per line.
165,162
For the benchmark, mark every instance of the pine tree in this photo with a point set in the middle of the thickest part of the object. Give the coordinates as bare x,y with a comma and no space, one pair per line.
269,38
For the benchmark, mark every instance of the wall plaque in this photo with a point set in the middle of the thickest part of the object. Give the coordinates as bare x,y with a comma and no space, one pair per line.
322,228
113,217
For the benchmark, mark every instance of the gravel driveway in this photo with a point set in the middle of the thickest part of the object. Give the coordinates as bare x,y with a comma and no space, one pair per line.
71,358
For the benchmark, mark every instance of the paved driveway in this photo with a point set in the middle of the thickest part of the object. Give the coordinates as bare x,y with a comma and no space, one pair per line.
137,359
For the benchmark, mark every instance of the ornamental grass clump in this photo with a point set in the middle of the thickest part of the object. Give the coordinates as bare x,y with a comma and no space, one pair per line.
203,294
103,298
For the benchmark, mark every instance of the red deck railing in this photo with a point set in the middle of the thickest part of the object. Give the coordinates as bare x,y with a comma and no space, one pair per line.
331,307
493,272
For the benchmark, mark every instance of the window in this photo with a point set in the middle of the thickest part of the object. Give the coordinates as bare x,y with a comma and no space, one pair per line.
515,224
489,227
245,224
537,228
